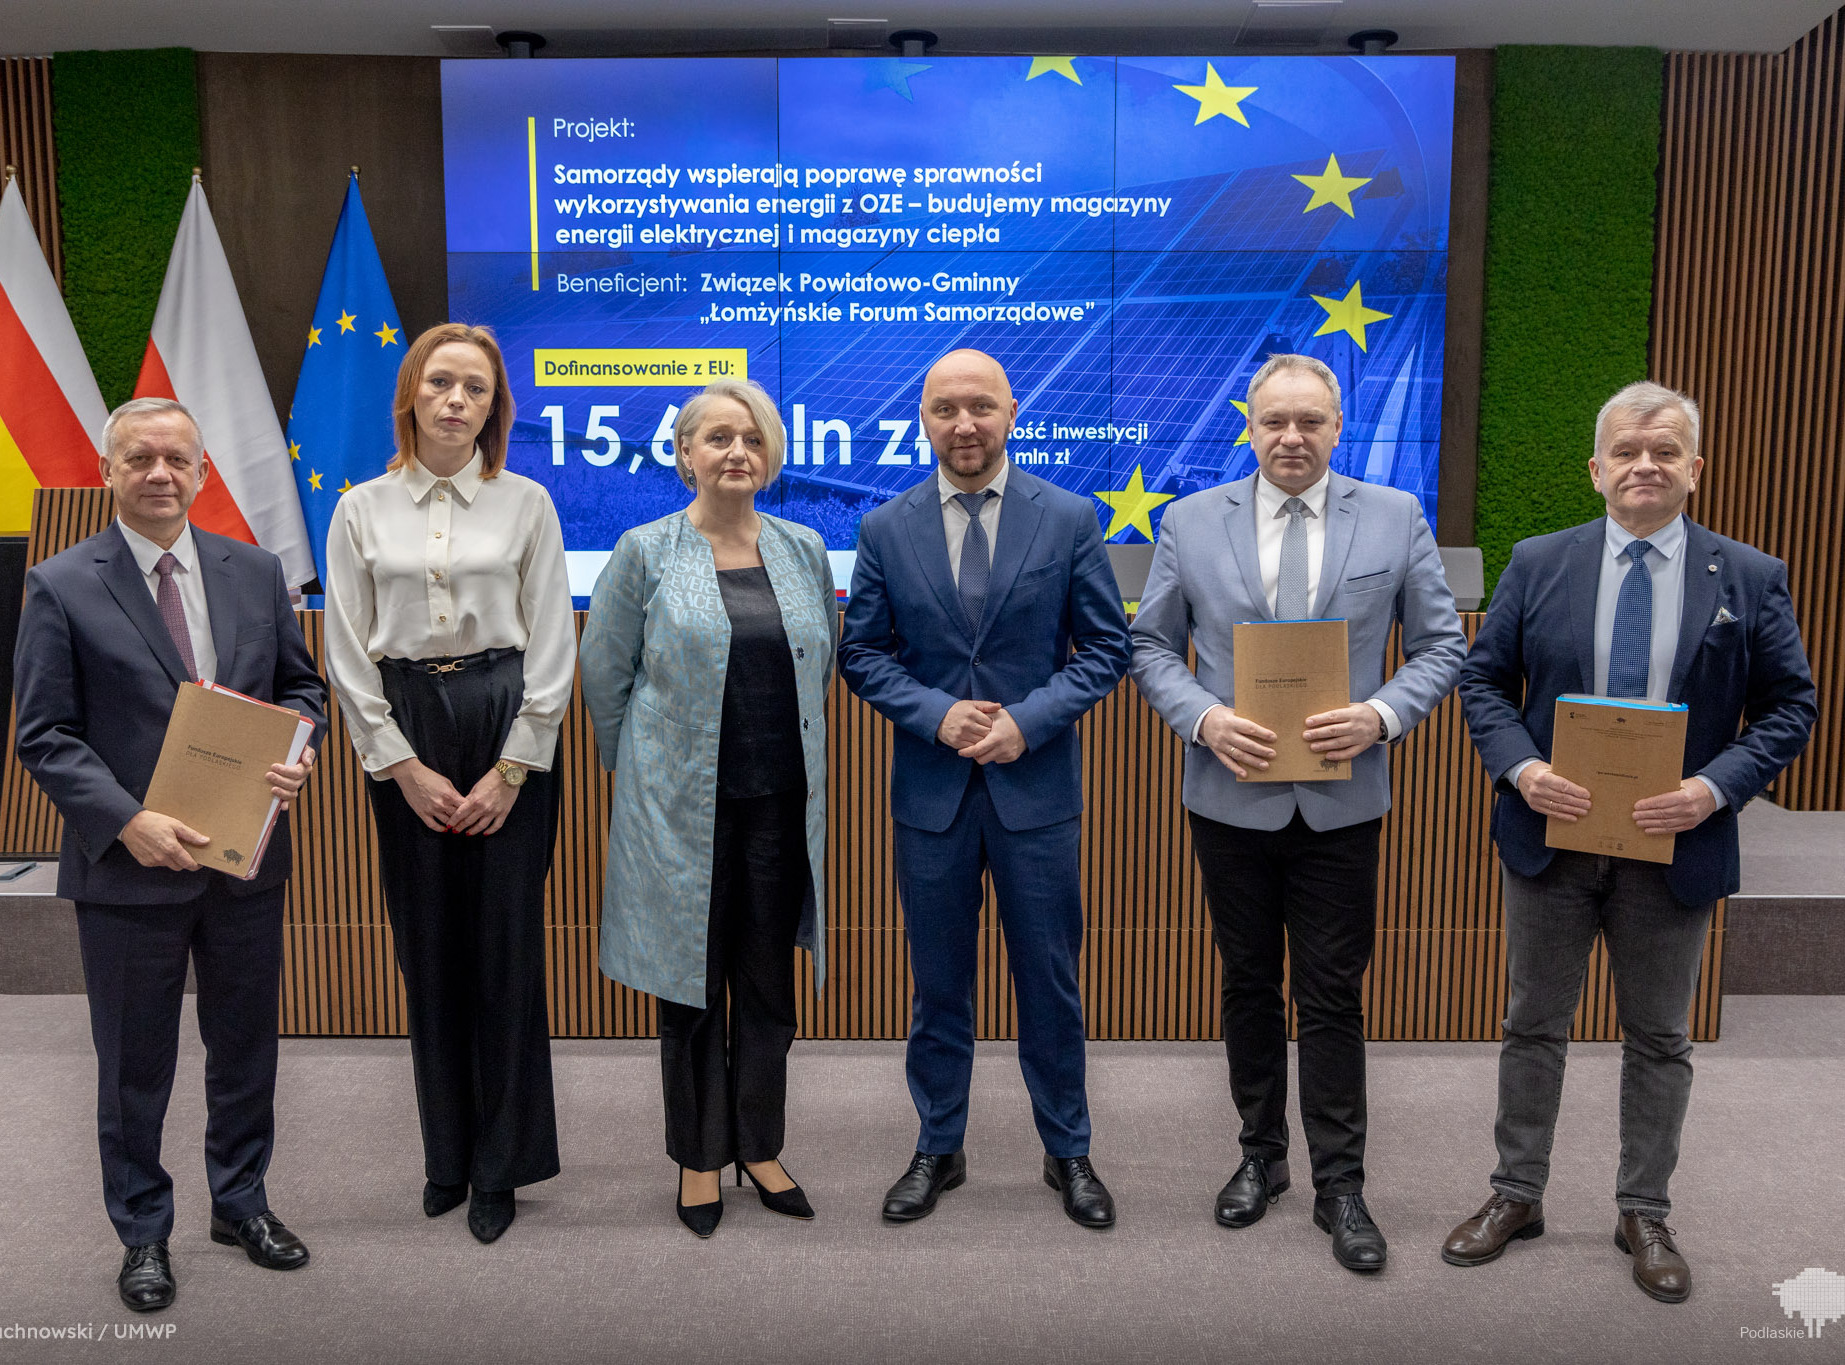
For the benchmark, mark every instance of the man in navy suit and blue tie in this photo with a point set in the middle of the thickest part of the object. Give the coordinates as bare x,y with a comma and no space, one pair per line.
109,630
1293,865
984,621
1642,603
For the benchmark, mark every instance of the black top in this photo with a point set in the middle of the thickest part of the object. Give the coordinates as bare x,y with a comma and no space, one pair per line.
759,738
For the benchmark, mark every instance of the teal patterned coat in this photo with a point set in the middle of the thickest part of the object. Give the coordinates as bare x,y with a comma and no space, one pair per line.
653,658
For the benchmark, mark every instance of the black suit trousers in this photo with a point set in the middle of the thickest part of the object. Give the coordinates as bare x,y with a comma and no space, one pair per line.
134,968
1311,895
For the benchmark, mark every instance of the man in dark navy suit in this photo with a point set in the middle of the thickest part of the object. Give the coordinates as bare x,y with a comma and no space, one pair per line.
1643,603
109,630
984,621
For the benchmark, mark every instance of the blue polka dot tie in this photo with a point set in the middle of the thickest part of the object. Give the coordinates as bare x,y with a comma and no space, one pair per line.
1630,655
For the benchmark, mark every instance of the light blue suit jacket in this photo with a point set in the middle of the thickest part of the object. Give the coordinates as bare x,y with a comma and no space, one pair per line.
1380,566
653,660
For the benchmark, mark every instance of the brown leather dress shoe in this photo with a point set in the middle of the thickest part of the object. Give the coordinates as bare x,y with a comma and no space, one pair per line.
1483,1237
1658,1268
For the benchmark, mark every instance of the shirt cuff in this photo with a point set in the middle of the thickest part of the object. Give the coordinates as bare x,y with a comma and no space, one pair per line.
385,746
1198,724
530,745
1392,726
1715,791
1517,770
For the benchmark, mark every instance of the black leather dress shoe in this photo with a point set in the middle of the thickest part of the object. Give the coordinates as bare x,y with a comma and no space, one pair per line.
263,1239
1246,1197
1358,1244
146,1282
1085,1198
490,1213
915,1193
439,1199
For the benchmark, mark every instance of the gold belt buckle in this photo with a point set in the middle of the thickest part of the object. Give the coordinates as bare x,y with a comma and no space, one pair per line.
453,666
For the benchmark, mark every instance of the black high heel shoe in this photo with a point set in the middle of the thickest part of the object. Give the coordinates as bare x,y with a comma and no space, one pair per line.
790,1203
701,1218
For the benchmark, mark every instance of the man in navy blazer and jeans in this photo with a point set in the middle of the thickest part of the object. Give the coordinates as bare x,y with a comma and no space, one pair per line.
1642,603
109,630
984,621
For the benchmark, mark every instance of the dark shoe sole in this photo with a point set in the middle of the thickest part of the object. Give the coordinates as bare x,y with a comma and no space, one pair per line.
1097,1224
1646,1288
226,1239
954,1182
1356,1267
1274,1192
1524,1234
153,1307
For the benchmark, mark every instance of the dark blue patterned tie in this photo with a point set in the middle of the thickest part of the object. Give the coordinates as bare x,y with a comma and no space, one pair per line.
1630,654
976,562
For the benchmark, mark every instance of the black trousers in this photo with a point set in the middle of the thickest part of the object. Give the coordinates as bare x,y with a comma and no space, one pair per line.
725,1072
1313,895
467,913
134,968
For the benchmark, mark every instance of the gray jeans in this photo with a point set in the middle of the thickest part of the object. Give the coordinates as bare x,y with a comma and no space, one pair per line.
1655,943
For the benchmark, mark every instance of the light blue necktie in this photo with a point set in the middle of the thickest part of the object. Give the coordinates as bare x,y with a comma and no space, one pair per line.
1630,653
1291,582
976,562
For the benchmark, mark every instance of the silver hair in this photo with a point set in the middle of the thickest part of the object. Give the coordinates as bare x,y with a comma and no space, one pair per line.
136,408
1642,400
762,411
1277,363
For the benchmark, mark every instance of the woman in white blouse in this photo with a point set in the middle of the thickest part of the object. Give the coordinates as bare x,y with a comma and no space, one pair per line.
451,646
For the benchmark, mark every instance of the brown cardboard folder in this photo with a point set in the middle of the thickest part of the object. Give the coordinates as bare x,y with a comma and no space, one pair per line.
211,773
1622,751
1285,672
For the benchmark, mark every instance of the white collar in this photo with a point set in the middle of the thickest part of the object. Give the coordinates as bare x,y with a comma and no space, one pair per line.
1668,539
1270,499
147,553
995,485
466,481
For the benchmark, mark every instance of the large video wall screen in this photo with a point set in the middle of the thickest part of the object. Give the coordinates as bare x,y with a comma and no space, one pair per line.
1130,236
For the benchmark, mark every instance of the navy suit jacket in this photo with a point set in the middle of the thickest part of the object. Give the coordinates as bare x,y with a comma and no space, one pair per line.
95,677
1739,662
1051,643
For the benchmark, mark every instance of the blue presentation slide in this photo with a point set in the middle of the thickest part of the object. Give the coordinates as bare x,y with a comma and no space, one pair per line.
1130,236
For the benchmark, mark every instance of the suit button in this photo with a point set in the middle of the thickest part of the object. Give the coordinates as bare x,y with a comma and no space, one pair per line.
976,661
803,725
799,652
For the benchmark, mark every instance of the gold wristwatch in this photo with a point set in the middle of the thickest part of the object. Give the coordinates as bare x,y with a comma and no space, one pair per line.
510,773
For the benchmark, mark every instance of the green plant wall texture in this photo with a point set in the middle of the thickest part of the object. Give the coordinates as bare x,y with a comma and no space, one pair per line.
127,129
1569,277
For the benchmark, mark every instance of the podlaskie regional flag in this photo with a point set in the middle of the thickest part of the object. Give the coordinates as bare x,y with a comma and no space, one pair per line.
339,428
201,353
51,412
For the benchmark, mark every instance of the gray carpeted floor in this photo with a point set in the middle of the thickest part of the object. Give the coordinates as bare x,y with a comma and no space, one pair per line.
597,1268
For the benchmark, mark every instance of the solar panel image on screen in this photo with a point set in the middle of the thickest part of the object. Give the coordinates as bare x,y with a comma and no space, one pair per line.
1130,237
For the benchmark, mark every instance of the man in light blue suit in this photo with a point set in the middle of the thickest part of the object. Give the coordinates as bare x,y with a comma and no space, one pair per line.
1294,865
984,621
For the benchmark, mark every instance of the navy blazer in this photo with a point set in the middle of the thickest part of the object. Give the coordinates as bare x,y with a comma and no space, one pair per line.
1051,643
1739,661
95,677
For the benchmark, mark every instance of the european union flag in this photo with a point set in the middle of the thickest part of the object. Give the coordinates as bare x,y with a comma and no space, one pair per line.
339,429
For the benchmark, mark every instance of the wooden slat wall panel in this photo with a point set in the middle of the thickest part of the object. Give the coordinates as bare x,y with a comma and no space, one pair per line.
1149,969
27,145
1748,295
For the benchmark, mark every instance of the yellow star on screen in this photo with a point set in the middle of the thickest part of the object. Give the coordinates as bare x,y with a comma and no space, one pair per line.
346,487
386,334
345,321
1132,506
1348,315
1214,97
294,449
314,480
1061,65
313,336
1331,187
1243,408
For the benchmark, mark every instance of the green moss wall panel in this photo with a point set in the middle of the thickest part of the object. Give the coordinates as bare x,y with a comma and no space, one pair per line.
127,126
1569,276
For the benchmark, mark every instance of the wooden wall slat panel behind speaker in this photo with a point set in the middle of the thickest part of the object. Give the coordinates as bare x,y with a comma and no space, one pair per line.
27,145
1149,970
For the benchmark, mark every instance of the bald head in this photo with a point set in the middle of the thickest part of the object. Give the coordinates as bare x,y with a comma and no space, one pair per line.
967,411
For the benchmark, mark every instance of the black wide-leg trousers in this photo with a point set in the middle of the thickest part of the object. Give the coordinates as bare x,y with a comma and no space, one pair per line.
725,1070
467,912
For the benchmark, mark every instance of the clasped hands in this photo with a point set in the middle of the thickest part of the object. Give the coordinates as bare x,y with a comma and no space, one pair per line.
1340,734
1555,796
158,840
438,805
983,731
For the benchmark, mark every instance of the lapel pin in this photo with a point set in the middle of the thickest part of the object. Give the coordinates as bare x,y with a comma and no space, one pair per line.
1711,568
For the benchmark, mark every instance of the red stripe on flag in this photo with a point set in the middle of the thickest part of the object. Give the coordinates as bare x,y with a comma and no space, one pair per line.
36,412
215,510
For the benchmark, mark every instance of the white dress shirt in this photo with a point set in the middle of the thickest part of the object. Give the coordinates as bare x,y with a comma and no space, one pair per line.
191,585
420,567
1271,525
955,518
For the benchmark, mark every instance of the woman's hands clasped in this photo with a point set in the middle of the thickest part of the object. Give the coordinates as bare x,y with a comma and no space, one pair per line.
437,804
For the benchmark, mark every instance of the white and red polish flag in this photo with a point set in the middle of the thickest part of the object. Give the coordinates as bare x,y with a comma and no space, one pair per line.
201,353
51,412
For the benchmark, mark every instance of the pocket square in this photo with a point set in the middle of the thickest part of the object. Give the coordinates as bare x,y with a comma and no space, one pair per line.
1723,617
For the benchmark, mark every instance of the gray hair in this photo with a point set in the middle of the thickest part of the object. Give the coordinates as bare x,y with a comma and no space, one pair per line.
761,409
1275,364
1641,401
135,409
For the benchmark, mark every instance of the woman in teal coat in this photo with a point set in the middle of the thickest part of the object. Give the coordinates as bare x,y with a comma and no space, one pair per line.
705,665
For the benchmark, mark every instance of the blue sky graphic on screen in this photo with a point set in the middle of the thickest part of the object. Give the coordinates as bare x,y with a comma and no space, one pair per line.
1129,236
